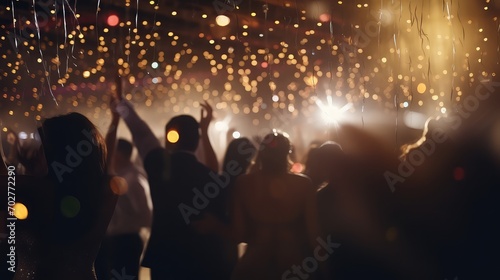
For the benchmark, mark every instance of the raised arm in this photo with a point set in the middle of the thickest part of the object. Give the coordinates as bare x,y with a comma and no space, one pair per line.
113,127
210,156
143,137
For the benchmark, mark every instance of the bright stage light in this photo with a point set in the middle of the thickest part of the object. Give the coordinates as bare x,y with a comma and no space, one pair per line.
330,113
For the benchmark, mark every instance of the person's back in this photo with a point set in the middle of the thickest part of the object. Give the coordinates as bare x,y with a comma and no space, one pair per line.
175,249
41,254
275,214
69,208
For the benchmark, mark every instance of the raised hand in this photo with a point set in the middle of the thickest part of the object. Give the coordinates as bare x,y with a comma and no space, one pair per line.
210,156
207,117
119,86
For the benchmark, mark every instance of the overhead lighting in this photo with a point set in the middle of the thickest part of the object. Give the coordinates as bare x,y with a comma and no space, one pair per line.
222,20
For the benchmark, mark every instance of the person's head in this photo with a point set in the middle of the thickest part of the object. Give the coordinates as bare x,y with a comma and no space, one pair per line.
239,153
75,154
273,153
325,161
73,140
182,133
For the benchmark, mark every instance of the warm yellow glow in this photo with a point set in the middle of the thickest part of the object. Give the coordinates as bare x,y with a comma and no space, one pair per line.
20,211
222,20
118,185
421,88
172,136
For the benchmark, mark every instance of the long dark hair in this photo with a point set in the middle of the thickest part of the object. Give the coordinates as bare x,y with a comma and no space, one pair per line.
240,151
75,153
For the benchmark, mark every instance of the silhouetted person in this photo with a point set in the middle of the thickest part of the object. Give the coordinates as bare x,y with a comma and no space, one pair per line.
123,245
182,190
356,208
237,160
69,208
275,214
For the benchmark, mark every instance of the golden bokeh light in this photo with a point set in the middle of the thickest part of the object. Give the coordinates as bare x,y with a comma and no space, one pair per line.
20,211
118,185
172,136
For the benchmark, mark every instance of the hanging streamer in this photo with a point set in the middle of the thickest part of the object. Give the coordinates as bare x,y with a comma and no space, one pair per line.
453,67
154,28
14,25
46,72
75,21
97,21
65,36
136,16
59,80
380,24
498,44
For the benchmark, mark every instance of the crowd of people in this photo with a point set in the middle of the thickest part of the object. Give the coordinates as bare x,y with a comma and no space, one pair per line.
356,212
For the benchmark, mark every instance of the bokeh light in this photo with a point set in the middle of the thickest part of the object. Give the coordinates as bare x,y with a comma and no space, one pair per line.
118,185
70,206
20,211
222,20
172,136
113,20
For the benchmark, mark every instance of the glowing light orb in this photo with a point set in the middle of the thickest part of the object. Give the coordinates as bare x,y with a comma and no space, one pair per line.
70,206
118,185
113,20
297,167
222,20
172,136
324,17
421,88
20,211
236,135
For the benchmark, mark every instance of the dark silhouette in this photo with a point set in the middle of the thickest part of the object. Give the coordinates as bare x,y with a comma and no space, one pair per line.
69,208
237,160
182,191
122,248
354,207
275,214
